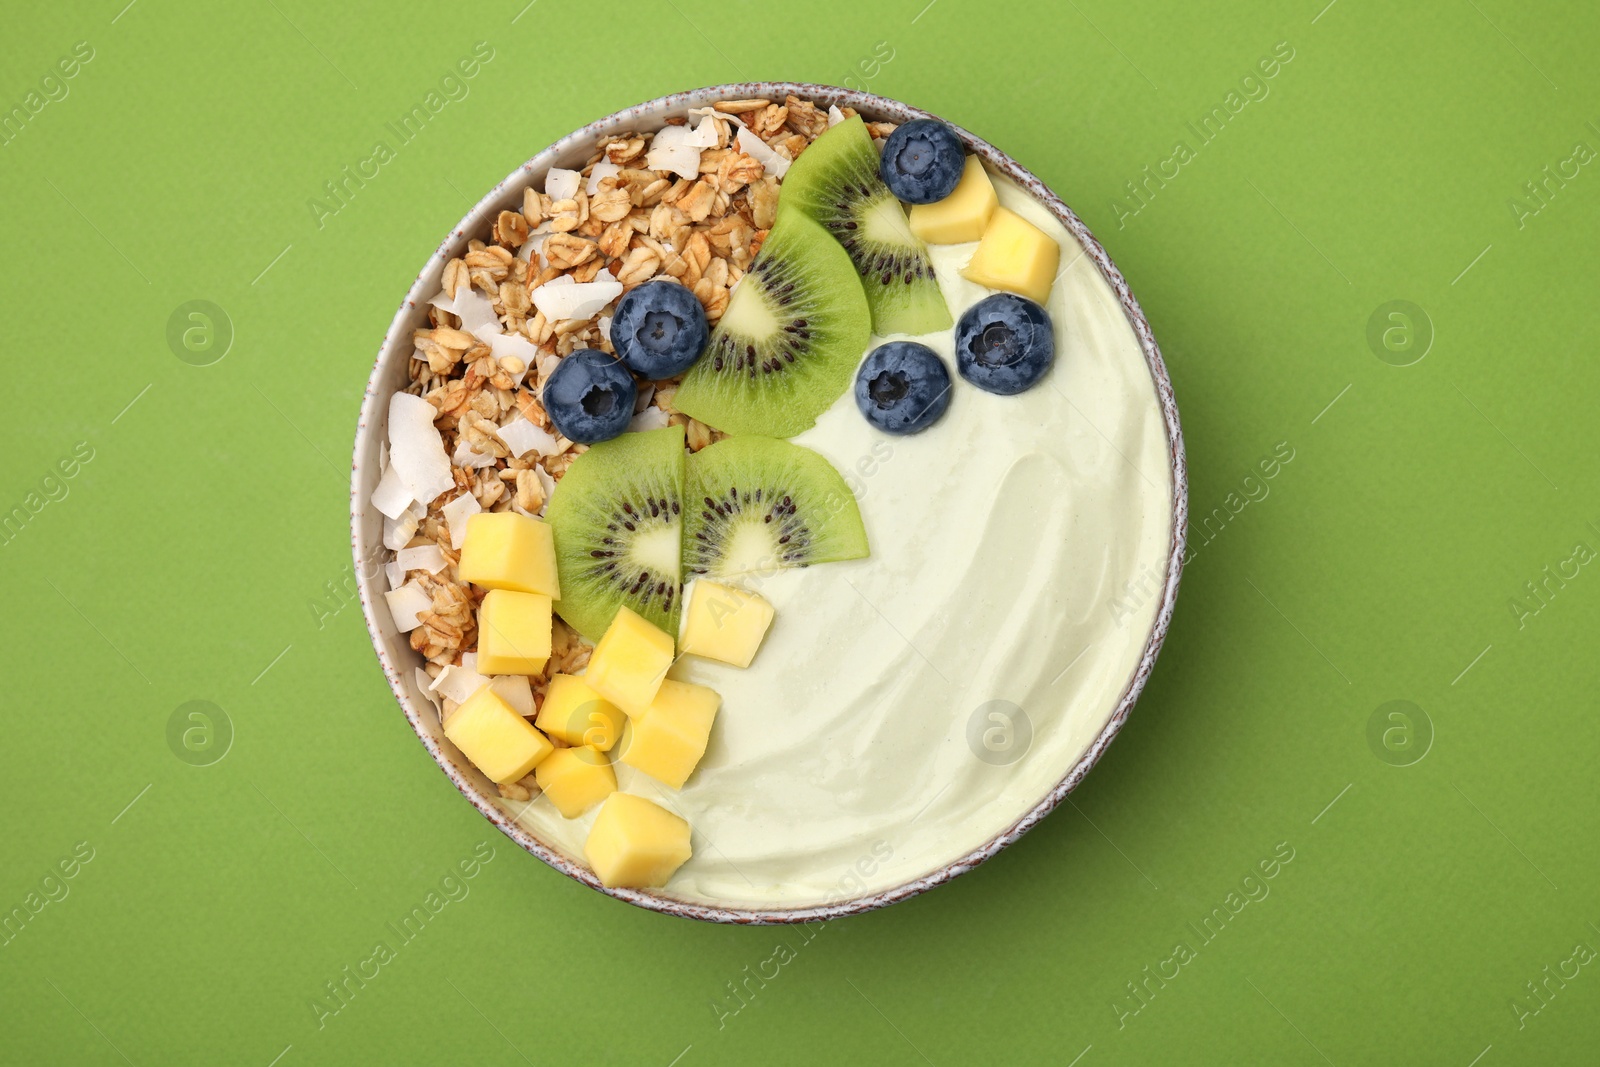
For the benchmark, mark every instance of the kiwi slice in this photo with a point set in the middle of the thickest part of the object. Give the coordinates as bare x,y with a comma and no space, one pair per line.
836,182
788,344
617,517
757,504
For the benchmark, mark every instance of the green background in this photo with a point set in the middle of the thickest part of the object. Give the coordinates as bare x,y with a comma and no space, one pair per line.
202,553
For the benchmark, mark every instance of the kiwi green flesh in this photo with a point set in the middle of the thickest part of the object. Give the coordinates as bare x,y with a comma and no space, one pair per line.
617,519
756,505
787,346
835,181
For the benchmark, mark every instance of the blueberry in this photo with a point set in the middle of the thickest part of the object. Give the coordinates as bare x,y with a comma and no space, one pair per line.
902,387
922,161
659,329
1004,344
590,396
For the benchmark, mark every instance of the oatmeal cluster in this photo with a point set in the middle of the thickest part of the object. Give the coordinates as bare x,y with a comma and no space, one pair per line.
632,214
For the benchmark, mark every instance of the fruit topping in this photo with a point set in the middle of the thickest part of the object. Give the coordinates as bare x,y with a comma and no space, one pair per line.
902,387
783,350
836,182
513,632
1014,255
659,329
498,741
722,622
616,516
576,779
629,663
578,715
1004,344
756,504
961,216
667,740
590,396
504,550
636,843
921,161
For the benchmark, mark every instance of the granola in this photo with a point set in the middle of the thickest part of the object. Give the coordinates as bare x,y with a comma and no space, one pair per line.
621,222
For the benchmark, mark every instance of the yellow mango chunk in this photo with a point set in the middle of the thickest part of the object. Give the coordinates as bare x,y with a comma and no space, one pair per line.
504,550
576,779
498,741
961,216
723,623
636,843
578,715
1014,255
630,661
513,632
668,740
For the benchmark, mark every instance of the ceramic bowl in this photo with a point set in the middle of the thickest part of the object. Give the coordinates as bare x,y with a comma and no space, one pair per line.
399,661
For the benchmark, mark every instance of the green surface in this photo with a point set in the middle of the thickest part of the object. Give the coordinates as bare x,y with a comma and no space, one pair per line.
201,553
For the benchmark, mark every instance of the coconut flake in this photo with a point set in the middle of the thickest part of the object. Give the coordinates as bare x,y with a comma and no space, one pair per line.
575,300
534,243
469,458
522,437
471,307
756,148
391,496
416,449
395,573
704,135
547,483
670,150
428,558
835,116
562,184
648,419
423,683
456,514
513,344
458,683
406,603
516,690
397,533
601,172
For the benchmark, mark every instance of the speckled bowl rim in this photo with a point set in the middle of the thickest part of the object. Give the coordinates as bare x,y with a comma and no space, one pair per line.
397,345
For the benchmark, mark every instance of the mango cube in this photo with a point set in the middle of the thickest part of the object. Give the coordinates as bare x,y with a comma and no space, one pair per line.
513,632
636,843
668,740
630,661
504,550
723,623
1014,255
578,715
498,741
962,215
576,779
